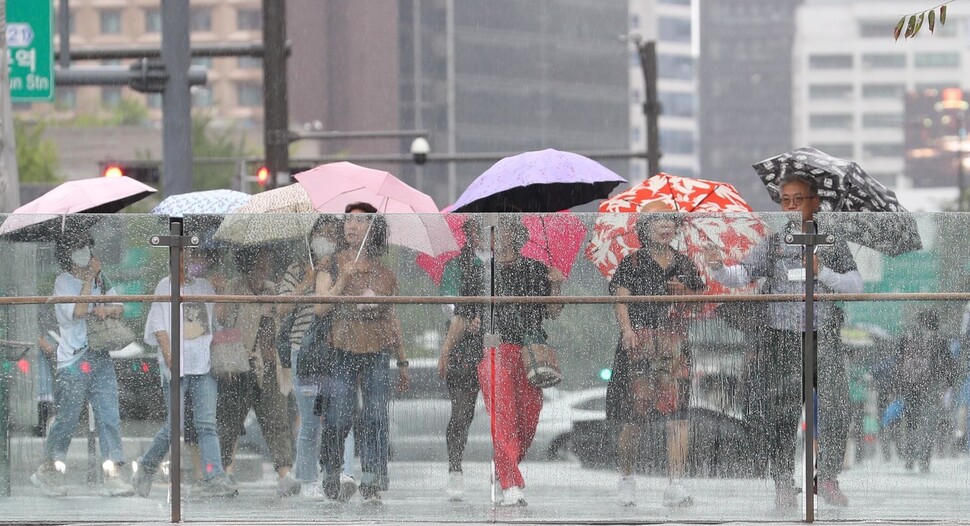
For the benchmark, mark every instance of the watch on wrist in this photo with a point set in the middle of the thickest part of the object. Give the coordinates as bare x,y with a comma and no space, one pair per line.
403,363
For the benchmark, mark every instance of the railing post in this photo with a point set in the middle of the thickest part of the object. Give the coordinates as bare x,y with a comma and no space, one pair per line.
175,241
810,239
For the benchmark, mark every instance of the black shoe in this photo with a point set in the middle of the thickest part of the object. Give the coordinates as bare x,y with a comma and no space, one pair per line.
909,465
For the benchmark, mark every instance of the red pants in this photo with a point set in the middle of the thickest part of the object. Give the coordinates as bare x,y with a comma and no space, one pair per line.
514,410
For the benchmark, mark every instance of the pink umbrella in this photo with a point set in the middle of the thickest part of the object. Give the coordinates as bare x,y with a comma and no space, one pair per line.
554,239
333,186
44,217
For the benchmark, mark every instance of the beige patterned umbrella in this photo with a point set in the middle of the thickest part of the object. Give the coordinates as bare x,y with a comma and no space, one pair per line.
275,215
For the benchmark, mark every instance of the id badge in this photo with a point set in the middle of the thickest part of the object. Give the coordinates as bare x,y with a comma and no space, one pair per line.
796,274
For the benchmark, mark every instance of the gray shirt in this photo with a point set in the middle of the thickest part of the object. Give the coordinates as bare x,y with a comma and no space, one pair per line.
779,264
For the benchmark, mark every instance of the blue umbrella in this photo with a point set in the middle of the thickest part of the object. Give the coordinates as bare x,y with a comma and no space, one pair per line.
205,202
542,181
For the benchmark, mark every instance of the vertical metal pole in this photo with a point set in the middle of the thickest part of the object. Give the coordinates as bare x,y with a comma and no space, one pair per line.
175,384
417,57
176,99
64,31
808,368
651,106
6,368
9,179
450,80
276,121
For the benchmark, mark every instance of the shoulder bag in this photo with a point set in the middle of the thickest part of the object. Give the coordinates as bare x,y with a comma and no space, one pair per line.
108,334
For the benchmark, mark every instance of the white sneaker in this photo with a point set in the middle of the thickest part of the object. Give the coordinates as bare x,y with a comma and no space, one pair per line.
676,496
287,486
456,486
312,491
514,497
626,490
348,486
114,486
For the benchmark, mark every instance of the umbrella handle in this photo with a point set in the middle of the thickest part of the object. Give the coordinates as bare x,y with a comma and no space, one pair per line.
364,241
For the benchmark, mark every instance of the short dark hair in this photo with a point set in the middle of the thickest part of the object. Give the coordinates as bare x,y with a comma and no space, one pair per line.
367,208
375,245
517,231
471,226
800,177
69,243
647,220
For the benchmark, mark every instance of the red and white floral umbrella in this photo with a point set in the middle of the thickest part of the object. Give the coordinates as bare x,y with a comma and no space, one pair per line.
719,216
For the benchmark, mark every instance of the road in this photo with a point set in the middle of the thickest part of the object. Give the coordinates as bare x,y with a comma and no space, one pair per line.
556,492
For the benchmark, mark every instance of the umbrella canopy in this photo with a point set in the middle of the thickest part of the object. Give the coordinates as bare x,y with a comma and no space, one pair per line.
268,217
845,187
542,181
417,224
205,202
39,219
554,239
735,233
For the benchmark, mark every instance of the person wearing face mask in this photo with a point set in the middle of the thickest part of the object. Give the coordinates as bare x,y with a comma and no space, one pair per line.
305,277
463,347
83,375
265,387
651,369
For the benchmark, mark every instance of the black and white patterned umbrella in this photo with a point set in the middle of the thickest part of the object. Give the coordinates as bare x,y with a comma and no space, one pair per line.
843,186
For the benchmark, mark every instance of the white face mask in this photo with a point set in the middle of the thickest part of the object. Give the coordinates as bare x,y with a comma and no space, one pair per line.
322,246
81,257
483,255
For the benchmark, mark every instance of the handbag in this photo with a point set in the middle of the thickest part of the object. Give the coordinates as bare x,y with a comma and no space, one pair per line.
227,354
109,334
541,365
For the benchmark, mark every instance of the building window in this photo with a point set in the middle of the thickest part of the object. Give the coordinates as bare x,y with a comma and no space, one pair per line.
842,150
153,100
883,91
883,60
830,91
674,29
153,20
675,2
249,20
205,62
201,97
675,67
936,60
249,94
634,21
635,135
876,29
882,150
250,63
882,120
677,142
830,121
830,61
111,96
677,104
110,21
200,19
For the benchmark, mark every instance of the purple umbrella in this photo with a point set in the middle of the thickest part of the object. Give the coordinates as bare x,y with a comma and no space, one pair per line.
542,181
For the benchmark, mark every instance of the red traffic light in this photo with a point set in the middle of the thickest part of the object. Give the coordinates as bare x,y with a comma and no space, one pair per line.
112,170
262,175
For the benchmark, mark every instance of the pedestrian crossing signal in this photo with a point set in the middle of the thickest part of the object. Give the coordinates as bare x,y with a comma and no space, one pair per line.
262,175
144,171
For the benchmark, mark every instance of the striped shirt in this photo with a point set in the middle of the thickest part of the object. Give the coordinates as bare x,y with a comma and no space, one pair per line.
303,313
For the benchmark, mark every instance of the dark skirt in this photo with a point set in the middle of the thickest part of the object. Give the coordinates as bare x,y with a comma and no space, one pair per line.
665,404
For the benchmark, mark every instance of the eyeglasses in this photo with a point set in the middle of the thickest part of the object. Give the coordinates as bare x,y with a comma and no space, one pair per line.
796,200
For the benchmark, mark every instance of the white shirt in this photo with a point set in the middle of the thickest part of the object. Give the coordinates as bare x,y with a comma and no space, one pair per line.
73,332
197,319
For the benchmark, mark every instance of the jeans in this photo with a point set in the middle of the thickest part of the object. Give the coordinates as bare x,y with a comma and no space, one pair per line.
373,373
90,379
203,389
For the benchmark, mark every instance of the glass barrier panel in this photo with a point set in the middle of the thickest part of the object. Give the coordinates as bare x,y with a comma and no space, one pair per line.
892,415
80,396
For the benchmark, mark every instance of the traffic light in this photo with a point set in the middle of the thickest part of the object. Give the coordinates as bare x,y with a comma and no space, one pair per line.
144,171
262,176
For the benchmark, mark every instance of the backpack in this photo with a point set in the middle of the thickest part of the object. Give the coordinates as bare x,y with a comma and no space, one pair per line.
314,356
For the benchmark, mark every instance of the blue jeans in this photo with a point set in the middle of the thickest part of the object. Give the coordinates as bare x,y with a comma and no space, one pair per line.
373,373
308,438
90,379
203,389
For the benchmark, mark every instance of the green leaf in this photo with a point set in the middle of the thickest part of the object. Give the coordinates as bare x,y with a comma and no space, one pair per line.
919,24
899,27
942,14
932,20
910,26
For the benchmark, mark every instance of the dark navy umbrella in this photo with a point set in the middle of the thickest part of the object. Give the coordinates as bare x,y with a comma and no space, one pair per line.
843,186
542,181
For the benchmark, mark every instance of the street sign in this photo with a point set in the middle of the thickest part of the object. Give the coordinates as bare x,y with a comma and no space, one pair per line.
30,50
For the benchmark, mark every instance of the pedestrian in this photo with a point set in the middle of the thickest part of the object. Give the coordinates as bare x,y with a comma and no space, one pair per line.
313,276
926,370
364,338
512,402
775,373
83,375
651,369
265,387
197,329
462,350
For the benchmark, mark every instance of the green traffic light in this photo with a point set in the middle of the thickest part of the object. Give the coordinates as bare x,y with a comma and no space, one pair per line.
606,374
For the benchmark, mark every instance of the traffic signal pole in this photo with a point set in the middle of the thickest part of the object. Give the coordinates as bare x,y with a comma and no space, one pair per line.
176,99
276,120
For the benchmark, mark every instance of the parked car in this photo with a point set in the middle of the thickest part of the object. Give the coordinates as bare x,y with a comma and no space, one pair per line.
419,418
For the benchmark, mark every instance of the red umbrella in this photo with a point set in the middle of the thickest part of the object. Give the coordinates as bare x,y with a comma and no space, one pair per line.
722,218
554,239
